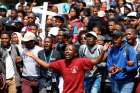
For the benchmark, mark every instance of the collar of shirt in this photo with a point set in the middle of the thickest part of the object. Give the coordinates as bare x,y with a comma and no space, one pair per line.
9,49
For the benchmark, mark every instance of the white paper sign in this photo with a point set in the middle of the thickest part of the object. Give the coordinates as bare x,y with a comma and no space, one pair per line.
63,8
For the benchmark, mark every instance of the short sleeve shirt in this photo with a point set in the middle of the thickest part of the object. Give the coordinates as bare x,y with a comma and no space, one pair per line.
73,73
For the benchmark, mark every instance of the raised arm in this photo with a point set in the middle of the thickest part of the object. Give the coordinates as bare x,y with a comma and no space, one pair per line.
39,61
101,57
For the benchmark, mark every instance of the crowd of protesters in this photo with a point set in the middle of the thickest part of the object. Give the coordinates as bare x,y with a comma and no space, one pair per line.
94,48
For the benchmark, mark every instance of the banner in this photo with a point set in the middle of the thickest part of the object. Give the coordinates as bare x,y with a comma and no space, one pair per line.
63,8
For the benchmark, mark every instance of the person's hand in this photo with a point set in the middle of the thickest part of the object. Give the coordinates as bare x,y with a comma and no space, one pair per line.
106,46
130,63
18,59
115,70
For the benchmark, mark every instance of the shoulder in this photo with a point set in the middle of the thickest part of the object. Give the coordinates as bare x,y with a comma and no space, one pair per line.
84,63
129,47
82,59
60,62
37,48
14,48
56,51
41,52
83,46
2,52
130,50
99,46
138,47
111,50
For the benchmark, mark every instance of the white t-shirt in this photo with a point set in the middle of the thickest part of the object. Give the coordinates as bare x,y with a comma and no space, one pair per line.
30,67
93,53
9,66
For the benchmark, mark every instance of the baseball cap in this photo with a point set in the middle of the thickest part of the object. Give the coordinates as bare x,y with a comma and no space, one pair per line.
91,33
132,15
60,17
128,5
28,37
3,8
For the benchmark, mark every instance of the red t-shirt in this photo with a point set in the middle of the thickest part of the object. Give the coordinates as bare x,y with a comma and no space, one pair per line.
73,73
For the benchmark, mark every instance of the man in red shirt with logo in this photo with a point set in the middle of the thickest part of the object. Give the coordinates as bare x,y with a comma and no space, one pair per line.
71,68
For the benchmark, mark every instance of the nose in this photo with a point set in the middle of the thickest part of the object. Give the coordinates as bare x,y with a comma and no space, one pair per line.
67,51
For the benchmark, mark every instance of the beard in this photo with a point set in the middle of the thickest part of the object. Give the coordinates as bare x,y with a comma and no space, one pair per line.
30,45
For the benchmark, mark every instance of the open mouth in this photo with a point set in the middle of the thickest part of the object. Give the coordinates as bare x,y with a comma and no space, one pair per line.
67,55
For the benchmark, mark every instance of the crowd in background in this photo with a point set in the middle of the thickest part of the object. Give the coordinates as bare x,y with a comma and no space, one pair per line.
88,25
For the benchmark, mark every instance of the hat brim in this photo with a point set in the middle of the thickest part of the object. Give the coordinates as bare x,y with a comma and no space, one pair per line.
59,17
132,17
25,40
90,34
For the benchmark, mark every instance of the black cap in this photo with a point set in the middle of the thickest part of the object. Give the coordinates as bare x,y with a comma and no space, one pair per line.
3,8
118,34
60,17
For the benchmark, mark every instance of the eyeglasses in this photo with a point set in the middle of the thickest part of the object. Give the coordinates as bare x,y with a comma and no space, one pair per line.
83,38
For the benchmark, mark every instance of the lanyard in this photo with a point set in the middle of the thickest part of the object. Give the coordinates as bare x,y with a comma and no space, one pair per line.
49,57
